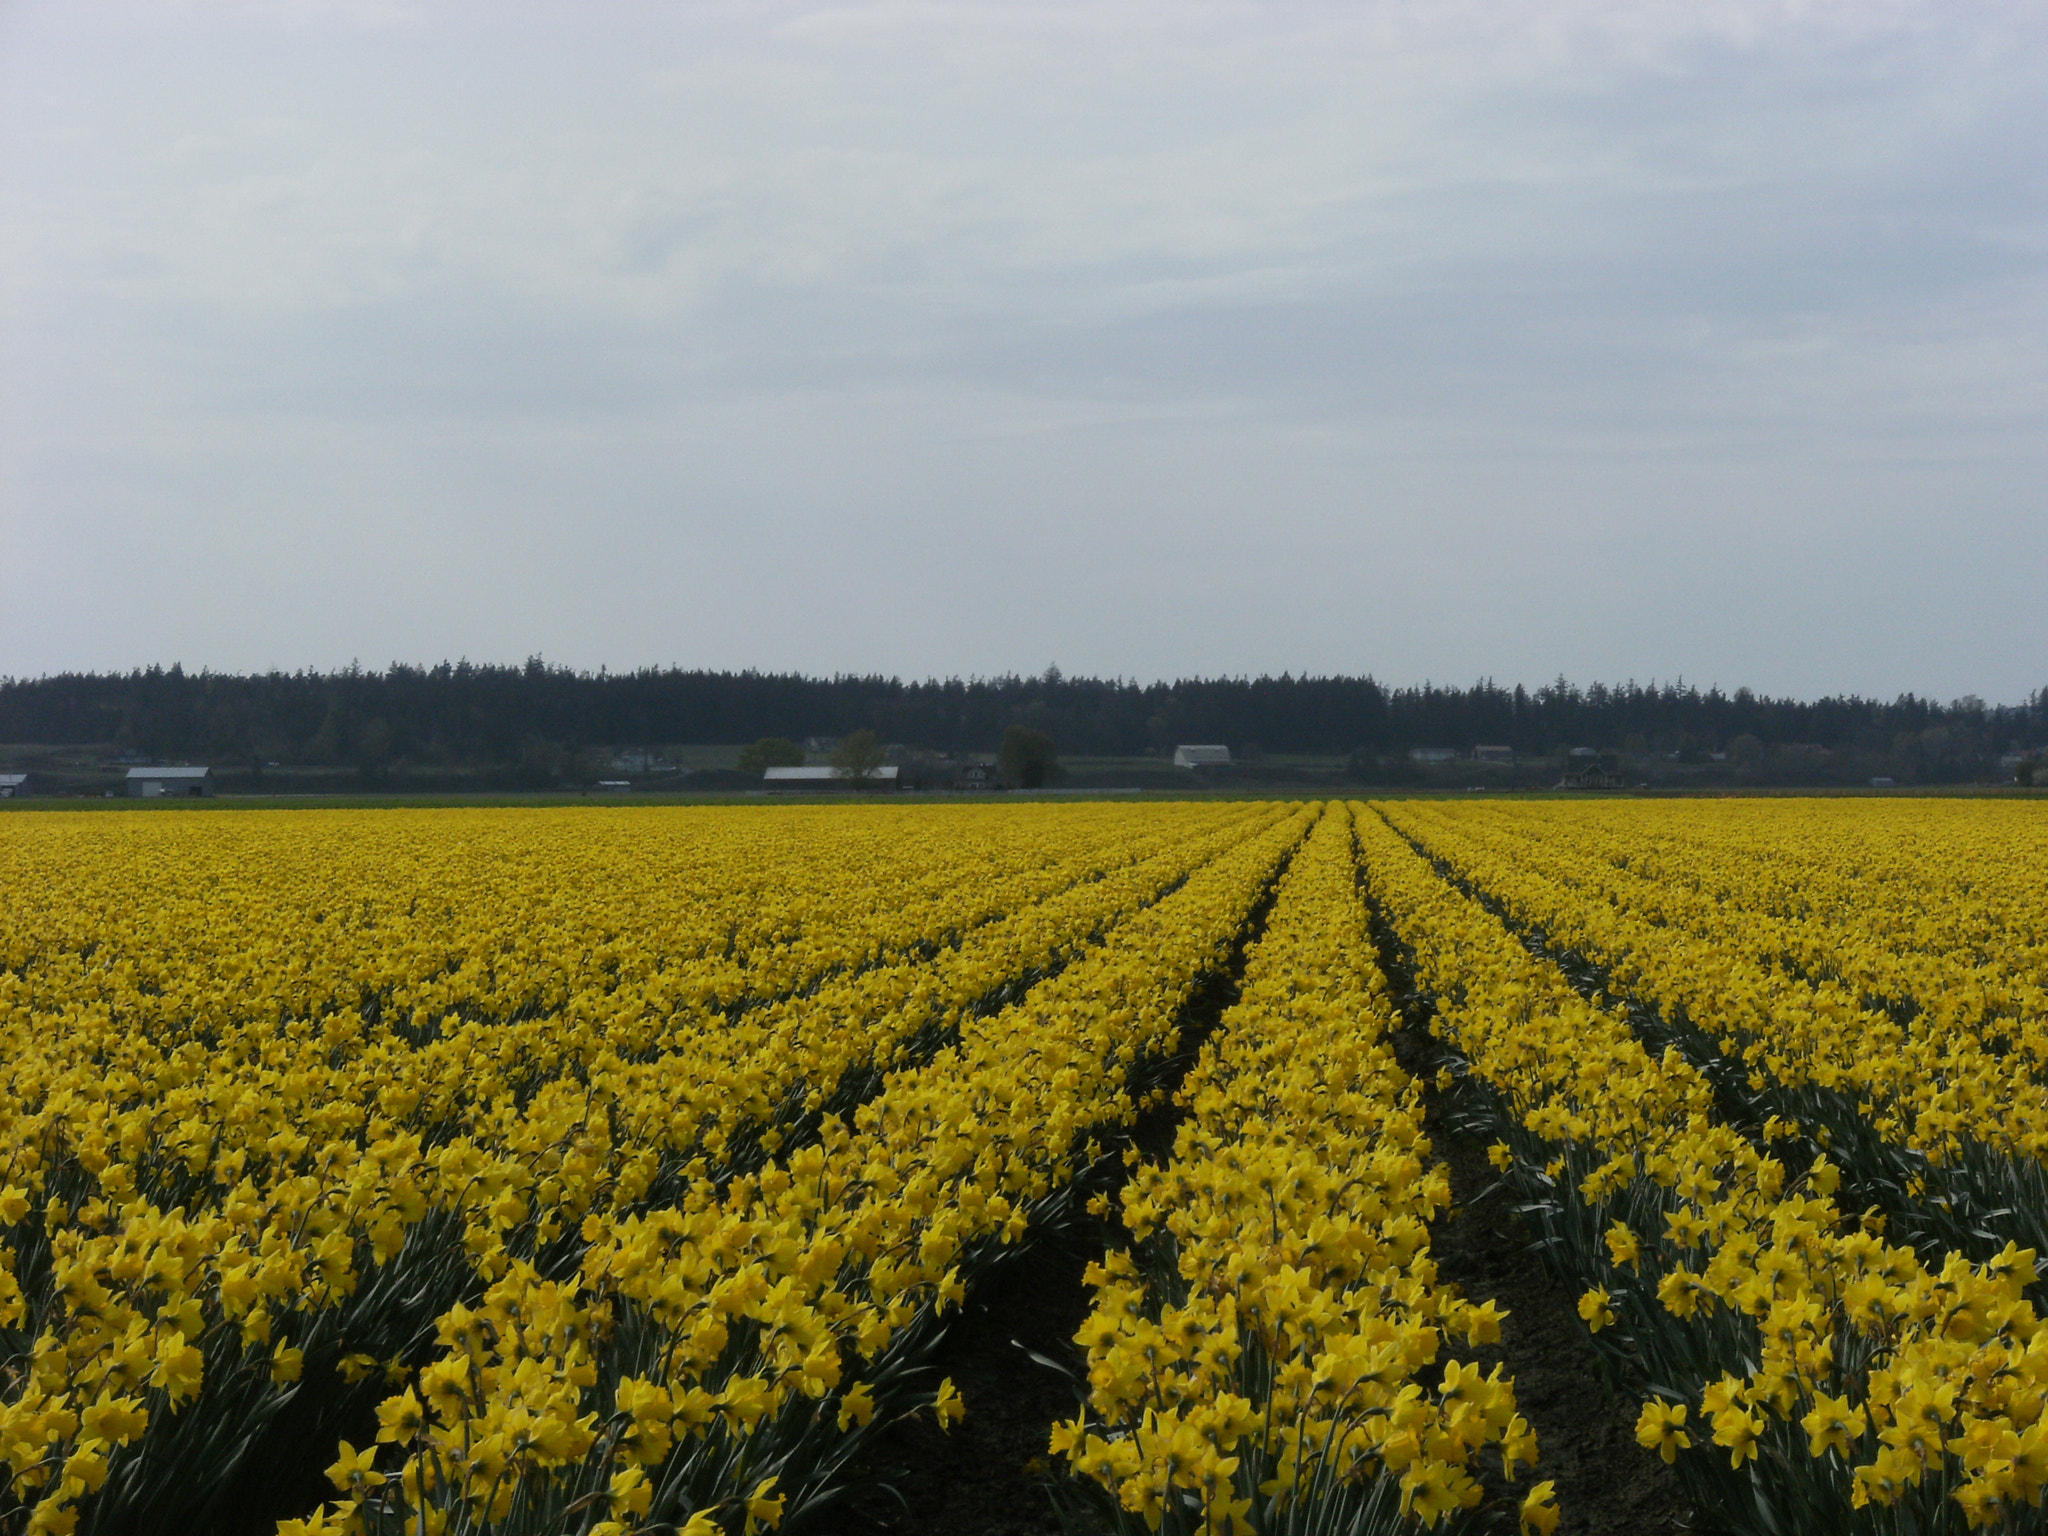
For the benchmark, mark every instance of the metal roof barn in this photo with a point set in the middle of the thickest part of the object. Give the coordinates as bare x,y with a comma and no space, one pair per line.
157,783
820,777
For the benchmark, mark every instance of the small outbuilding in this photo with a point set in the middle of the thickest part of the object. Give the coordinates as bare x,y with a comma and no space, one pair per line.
1591,778
13,786
180,782
1201,757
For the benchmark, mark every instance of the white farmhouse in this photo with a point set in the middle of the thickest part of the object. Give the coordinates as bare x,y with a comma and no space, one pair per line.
1200,757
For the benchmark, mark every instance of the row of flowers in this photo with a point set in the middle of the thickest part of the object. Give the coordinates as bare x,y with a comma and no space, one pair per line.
1935,1054
1801,1372
1937,905
219,1236
722,1358
1268,1354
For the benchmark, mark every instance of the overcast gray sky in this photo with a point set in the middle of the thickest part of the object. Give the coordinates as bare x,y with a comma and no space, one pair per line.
1435,340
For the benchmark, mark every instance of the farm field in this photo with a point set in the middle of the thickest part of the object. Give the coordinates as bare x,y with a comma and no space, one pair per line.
1345,1166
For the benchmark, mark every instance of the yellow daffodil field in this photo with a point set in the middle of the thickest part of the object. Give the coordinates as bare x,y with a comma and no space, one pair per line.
593,1171
1764,1076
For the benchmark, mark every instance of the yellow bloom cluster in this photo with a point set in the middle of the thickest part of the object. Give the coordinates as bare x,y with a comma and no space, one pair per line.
1891,896
1789,933
282,1093
1850,1383
621,1164
704,1343
1254,1363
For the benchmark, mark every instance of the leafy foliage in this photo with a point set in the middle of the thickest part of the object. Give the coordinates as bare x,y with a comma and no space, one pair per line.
769,752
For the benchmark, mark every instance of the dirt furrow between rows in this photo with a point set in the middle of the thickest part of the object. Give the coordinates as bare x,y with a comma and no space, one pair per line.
1607,1485
1010,1350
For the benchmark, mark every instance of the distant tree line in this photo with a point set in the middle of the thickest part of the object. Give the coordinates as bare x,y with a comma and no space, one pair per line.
533,714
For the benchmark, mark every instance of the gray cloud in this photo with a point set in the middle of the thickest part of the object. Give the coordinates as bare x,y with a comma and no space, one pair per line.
1626,339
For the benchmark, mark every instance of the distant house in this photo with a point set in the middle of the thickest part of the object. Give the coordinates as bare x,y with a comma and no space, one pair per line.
823,777
1590,778
1201,757
13,786
1432,754
157,783
615,786
1493,754
1583,752
1881,782
977,776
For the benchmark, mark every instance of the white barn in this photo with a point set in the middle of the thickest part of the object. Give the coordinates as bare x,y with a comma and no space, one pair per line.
824,778
157,783
1200,757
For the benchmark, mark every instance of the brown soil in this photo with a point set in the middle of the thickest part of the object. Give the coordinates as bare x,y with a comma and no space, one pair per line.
991,1474
1607,1485
988,1476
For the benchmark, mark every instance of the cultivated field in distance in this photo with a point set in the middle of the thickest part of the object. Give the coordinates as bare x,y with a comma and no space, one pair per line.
1346,1167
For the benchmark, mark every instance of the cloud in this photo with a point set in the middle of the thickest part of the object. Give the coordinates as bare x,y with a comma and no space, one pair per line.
1135,306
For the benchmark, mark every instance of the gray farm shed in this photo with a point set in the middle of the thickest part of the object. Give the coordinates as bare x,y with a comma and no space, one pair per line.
159,783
